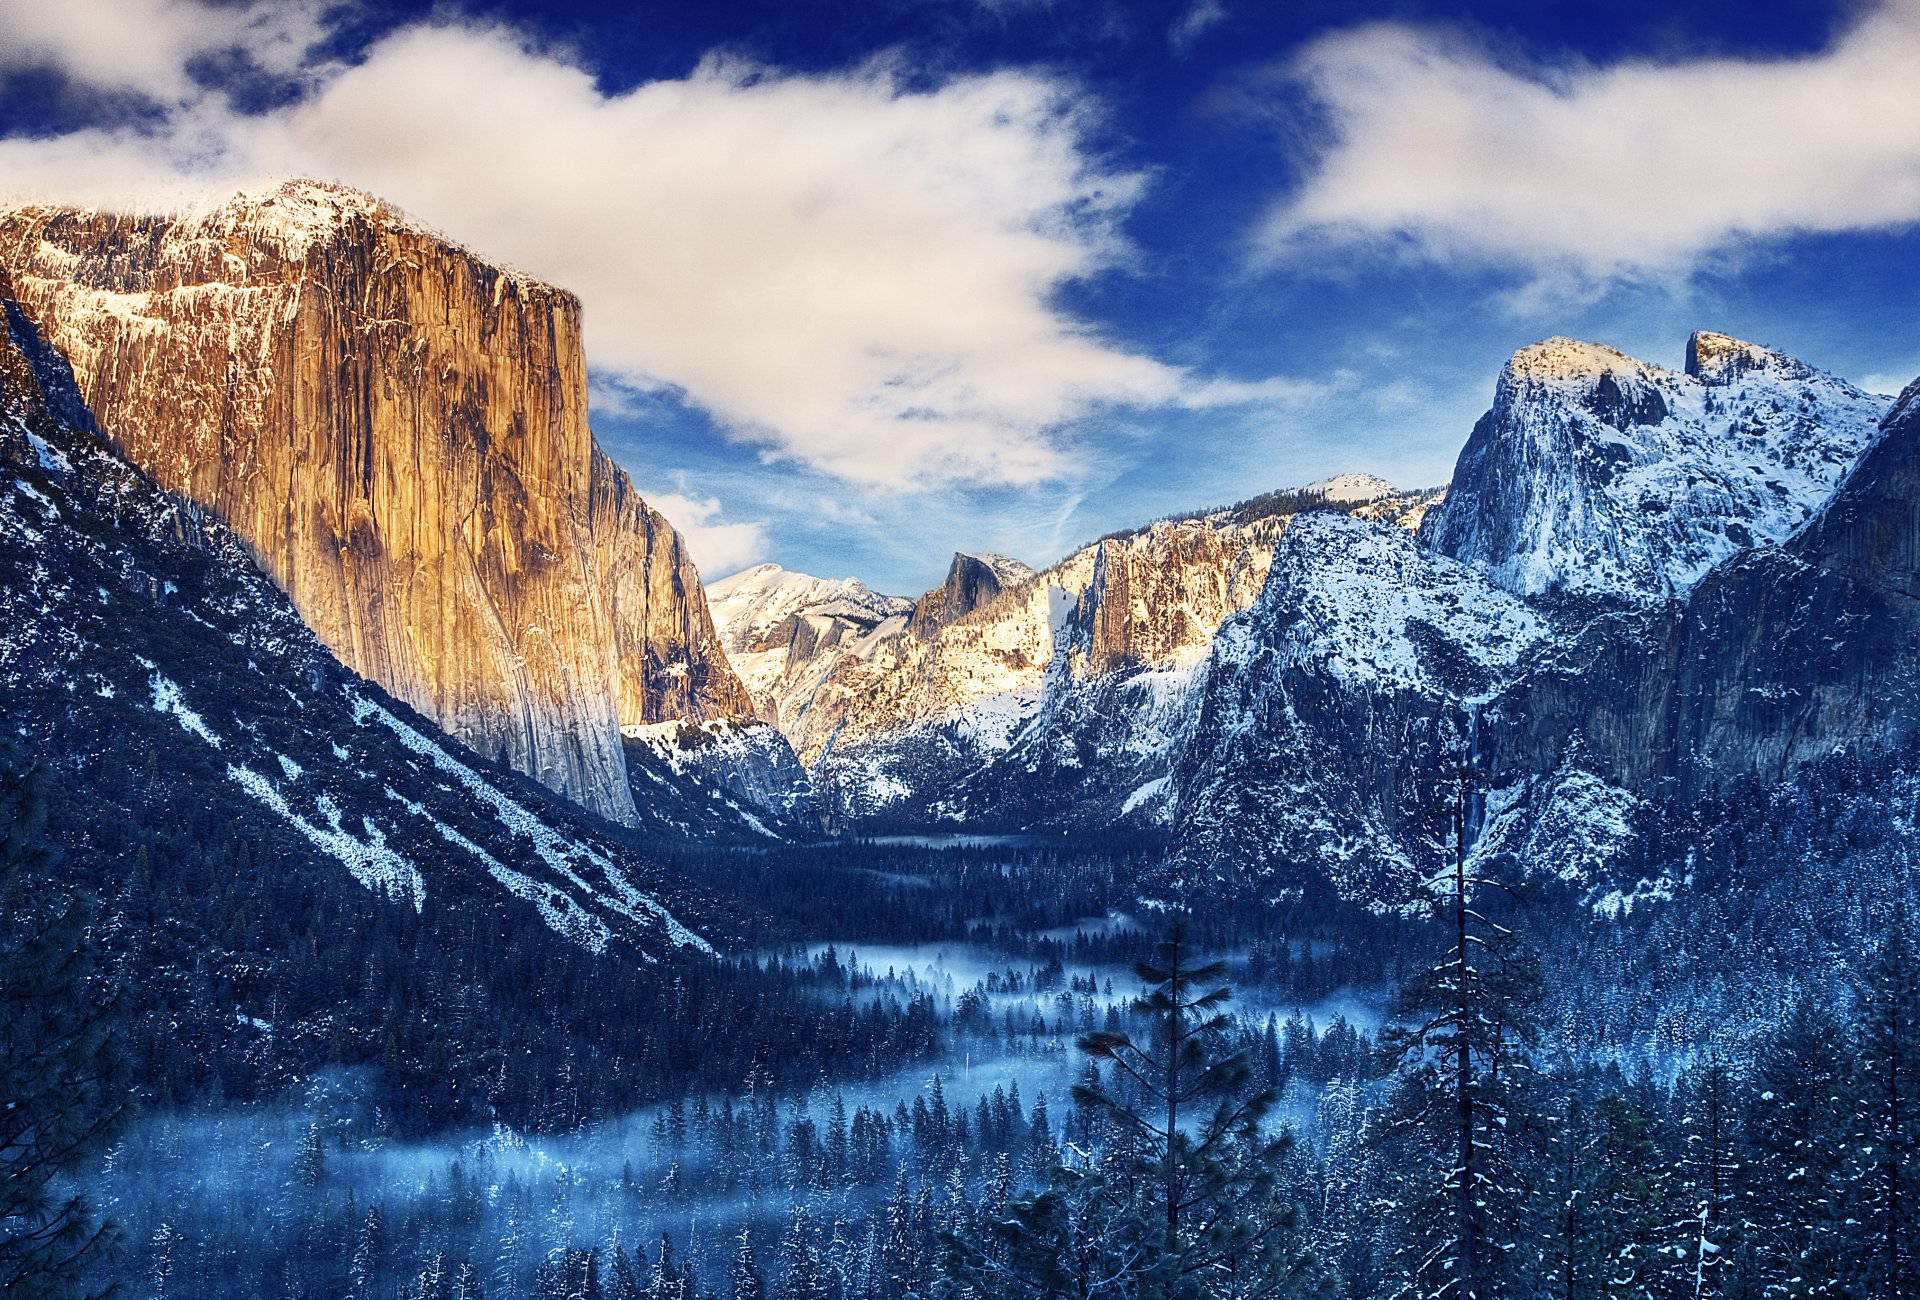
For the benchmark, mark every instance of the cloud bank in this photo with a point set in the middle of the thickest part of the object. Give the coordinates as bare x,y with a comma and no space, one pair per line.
842,271
1444,149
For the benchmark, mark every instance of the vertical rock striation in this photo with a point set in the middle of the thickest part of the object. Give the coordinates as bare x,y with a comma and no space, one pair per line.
398,430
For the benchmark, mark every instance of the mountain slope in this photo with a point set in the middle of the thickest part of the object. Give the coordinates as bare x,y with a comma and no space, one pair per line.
396,430
152,665
1597,475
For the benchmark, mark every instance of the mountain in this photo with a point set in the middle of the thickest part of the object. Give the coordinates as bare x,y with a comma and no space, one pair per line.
1006,698
396,431
783,631
1643,593
1326,708
1595,475
168,684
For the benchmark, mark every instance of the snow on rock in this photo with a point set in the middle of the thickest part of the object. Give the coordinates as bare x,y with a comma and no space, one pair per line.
168,699
1598,475
1364,604
567,857
372,863
1351,488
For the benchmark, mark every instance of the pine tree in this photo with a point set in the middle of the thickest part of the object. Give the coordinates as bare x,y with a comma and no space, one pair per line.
1183,1200
1797,1125
744,1280
1705,1174
1884,1174
1461,1035
63,1076
803,1275
310,1158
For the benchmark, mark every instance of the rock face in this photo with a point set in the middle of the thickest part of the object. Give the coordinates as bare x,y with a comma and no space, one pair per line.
1643,591
398,431
972,581
146,659
1327,709
1006,698
1597,475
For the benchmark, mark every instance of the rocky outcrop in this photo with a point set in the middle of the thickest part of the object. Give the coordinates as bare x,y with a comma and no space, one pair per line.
398,431
1595,475
972,581
1611,615
785,631
1005,698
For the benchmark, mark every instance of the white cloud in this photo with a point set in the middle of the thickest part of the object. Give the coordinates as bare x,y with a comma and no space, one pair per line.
145,45
1200,17
718,548
1633,169
849,274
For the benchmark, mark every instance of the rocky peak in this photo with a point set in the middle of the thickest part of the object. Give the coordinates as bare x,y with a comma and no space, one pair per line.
1720,359
1595,474
398,431
972,581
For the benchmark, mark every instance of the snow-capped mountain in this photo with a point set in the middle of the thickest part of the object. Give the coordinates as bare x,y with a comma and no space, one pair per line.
1598,475
1726,640
784,631
1327,708
397,430
162,677
1008,697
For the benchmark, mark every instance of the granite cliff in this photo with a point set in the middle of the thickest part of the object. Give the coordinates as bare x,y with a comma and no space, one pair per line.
397,431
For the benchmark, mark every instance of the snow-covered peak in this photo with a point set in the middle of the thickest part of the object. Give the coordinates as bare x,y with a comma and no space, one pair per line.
1007,569
1721,359
1597,474
1351,487
752,604
1362,603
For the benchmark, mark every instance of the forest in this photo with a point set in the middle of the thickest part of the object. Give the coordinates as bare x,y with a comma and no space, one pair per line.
969,1071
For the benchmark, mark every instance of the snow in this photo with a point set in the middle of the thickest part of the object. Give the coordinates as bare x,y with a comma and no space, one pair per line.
51,458
1601,475
168,699
562,915
1353,592
1153,789
370,861
561,854
1351,488
288,766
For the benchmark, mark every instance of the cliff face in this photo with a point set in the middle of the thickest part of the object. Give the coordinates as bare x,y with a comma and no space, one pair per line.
1601,476
1006,698
397,429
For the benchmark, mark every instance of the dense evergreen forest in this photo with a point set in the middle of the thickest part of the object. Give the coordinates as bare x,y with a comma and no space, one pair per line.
944,1071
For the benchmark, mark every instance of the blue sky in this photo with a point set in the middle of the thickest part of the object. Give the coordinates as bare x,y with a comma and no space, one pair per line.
869,283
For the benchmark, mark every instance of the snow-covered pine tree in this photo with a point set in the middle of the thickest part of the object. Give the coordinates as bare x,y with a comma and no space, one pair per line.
1883,1174
743,1278
1460,1041
1797,1124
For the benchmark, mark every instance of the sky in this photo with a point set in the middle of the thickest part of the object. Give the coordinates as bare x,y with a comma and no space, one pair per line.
866,283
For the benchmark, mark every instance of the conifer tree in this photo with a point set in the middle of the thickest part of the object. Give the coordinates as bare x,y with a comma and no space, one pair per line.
1183,1200
744,1280
63,1076
1797,1123
1884,1173
1460,1040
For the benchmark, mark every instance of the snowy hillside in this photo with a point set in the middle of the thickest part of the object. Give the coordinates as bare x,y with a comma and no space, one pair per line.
138,631
1598,475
